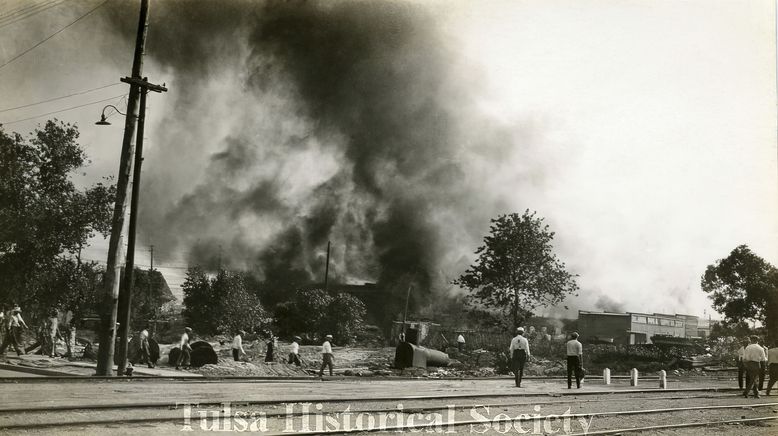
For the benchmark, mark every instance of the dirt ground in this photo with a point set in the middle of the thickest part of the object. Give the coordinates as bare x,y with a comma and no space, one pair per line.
459,400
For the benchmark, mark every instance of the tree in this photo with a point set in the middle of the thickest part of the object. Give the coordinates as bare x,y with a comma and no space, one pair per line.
199,301
45,220
150,292
238,307
516,270
315,312
744,287
345,317
222,304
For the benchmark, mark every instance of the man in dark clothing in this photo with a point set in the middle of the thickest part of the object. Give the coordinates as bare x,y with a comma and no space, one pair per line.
574,361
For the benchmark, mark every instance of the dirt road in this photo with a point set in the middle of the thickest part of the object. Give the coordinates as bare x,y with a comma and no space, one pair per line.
477,406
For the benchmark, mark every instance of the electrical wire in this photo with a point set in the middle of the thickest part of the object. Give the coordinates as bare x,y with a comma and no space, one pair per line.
11,20
66,109
52,35
24,9
58,98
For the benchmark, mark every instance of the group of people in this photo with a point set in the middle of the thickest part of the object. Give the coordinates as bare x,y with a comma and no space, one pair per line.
238,352
754,362
519,353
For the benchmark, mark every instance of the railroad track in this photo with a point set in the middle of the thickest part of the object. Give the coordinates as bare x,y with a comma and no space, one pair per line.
608,408
202,379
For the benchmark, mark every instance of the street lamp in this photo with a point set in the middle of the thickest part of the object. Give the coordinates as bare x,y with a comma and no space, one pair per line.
103,121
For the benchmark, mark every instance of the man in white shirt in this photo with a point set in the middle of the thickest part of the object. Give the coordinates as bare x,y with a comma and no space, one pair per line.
237,345
326,355
519,351
772,365
294,351
460,342
186,349
753,355
574,361
145,350
741,370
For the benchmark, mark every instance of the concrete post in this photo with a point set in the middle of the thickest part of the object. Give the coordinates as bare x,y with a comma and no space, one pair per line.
633,377
606,376
663,379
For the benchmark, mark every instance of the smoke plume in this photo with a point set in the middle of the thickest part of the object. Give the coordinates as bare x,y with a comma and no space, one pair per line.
290,124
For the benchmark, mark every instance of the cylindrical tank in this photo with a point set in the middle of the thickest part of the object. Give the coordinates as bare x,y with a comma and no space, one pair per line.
408,355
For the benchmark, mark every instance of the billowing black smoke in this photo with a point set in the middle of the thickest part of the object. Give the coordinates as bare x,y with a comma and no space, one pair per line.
342,121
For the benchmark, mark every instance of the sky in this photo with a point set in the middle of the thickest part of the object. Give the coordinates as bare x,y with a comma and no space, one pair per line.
644,132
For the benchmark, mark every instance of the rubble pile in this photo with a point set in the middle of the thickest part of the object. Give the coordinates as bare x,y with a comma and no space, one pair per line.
231,368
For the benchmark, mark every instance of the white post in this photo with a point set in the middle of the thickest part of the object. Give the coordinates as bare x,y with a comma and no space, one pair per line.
663,379
633,377
606,376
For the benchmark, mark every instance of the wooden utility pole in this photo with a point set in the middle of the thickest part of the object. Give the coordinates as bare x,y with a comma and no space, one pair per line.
111,282
125,296
327,267
153,298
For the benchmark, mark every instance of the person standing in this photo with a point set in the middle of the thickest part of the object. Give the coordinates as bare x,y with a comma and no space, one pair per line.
270,352
519,351
186,349
294,351
574,361
237,345
460,342
762,365
772,366
752,358
741,369
326,355
13,332
145,349
53,331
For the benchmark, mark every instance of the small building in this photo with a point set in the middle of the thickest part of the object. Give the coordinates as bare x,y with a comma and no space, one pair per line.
604,327
416,332
635,327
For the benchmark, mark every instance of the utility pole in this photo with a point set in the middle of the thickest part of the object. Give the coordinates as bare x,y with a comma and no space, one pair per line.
111,282
327,267
153,298
405,313
125,297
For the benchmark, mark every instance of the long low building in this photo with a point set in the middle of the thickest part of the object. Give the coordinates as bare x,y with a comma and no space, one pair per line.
636,328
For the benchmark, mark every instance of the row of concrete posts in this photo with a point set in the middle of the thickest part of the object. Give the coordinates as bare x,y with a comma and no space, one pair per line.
633,377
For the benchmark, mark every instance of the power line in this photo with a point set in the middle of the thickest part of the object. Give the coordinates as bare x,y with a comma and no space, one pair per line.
24,9
7,21
52,35
59,98
21,9
66,109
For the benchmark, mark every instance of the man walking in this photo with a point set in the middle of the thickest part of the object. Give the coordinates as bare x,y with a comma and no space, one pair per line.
574,361
519,351
294,351
326,355
772,366
186,349
460,342
237,345
752,357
